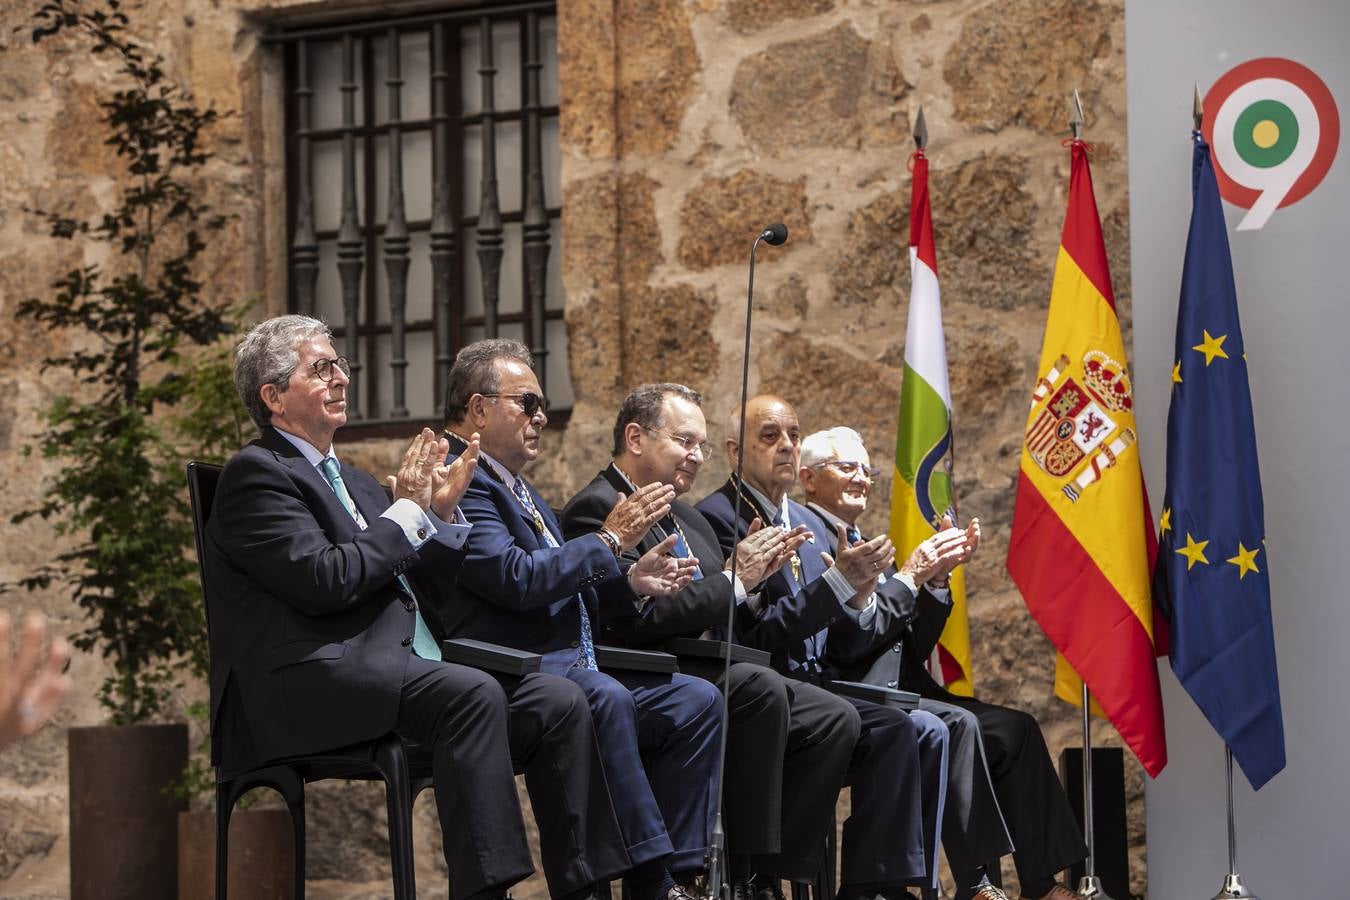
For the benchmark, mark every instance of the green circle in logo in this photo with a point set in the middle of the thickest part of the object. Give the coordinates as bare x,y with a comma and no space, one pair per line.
1265,134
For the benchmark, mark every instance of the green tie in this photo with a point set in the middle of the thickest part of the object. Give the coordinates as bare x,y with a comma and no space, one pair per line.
424,643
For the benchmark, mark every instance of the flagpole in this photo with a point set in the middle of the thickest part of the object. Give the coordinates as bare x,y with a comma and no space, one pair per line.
1089,886
1232,882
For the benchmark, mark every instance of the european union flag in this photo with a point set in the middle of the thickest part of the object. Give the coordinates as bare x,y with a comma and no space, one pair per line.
1212,581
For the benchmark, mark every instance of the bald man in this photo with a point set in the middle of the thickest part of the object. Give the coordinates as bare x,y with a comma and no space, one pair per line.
795,609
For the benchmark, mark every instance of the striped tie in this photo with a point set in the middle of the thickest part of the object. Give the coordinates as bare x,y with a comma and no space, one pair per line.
586,655
682,546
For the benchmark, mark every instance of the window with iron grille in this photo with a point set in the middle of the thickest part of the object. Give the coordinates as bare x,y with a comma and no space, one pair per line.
423,196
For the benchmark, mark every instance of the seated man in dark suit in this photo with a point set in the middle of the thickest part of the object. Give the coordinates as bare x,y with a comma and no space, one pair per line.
318,642
789,743
912,608
794,612
521,584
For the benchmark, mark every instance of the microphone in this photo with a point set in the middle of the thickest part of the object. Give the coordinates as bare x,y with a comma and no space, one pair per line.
718,888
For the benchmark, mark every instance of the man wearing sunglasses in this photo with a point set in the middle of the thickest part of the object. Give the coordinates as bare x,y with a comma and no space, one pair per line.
898,771
788,743
522,584
1000,768
318,641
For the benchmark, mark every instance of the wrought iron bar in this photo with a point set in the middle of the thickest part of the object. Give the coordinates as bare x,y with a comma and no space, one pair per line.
350,247
536,226
489,208
396,235
442,221
317,32
304,244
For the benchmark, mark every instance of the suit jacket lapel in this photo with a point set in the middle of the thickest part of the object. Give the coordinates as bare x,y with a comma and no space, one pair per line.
334,511
370,500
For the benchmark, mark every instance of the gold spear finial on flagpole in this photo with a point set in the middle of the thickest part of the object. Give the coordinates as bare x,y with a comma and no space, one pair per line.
1198,110
920,131
1076,116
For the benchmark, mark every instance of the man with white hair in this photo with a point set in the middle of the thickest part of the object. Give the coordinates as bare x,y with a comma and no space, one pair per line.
1000,769
797,608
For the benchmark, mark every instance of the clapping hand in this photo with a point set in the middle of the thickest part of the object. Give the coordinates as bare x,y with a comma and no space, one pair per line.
448,483
764,551
658,574
414,479
935,558
633,516
861,563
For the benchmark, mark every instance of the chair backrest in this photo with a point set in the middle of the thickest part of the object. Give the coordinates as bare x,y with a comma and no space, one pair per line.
202,479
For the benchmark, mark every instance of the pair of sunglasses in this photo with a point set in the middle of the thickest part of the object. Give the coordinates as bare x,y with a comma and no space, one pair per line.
529,403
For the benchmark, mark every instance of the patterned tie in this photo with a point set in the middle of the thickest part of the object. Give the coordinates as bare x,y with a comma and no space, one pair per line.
586,655
853,535
682,546
424,643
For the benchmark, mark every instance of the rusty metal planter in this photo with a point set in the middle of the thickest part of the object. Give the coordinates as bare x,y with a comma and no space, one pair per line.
123,814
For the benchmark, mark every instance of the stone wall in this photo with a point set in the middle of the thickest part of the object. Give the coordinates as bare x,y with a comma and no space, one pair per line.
687,125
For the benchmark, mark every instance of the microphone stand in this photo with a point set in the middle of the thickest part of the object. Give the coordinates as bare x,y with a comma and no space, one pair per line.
718,886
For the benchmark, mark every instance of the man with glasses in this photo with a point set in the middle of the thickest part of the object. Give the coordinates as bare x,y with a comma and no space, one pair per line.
789,743
318,641
1000,768
522,584
899,765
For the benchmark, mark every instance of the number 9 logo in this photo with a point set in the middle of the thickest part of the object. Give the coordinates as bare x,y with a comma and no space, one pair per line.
1274,130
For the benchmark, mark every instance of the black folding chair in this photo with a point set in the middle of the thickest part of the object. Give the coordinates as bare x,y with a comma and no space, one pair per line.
405,774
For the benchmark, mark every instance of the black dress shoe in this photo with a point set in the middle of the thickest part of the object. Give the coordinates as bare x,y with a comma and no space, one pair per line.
768,889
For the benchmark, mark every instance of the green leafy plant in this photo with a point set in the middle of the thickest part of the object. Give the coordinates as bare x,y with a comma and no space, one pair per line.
125,325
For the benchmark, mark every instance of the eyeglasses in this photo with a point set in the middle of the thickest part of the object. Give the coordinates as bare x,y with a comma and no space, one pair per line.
849,468
688,444
529,403
324,367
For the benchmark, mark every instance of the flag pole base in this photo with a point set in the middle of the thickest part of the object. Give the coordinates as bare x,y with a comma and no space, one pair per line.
1090,888
1233,887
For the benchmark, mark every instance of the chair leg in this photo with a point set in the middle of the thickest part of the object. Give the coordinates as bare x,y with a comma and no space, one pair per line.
393,765
293,792
224,806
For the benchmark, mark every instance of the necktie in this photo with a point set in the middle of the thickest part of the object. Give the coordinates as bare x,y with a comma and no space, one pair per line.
424,643
682,546
586,655
854,535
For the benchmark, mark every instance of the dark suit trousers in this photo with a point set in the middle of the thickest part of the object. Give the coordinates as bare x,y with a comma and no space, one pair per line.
973,831
883,836
822,732
757,739
1044,830
462,714
672,723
